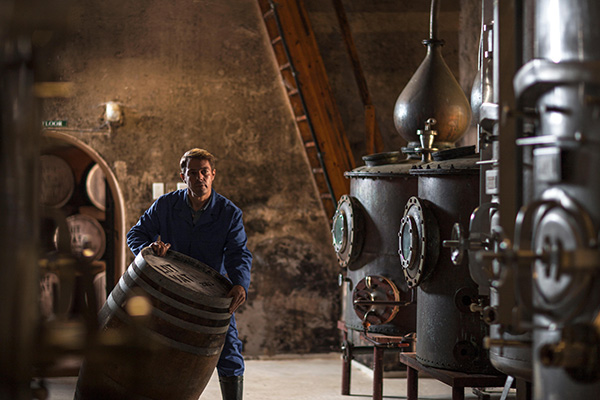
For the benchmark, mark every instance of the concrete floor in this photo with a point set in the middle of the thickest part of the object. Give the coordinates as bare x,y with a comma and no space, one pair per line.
300,378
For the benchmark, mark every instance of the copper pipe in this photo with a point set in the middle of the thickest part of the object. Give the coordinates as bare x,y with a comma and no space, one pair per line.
433,19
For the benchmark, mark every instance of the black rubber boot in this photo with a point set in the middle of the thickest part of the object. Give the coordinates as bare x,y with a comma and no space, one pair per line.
232,387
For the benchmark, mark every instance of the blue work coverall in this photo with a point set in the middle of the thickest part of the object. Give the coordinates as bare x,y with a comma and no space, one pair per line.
217,239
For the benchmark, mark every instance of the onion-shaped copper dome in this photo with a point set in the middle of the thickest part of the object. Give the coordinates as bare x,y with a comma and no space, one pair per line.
433,92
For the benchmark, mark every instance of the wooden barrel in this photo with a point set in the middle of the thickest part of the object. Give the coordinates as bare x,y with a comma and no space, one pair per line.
168,350
95,185
58,182
88,239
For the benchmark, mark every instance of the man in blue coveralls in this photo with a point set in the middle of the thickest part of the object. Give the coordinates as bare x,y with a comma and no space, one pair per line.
202,224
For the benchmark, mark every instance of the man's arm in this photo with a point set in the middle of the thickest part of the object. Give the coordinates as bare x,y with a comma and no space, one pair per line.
145,231
238,261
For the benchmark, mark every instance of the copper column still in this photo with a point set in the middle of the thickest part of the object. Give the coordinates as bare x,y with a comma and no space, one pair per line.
371,215
432,92
432,113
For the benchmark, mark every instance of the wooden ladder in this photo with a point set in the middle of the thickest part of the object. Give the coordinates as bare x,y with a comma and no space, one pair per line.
311,98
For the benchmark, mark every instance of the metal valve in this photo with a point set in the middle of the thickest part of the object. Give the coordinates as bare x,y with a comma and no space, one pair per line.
459,244
427,137
343,278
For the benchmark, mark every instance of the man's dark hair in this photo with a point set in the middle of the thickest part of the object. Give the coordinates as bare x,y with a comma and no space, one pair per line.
200,154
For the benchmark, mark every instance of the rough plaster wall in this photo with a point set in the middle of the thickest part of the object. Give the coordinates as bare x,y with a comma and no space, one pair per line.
388,35
200,74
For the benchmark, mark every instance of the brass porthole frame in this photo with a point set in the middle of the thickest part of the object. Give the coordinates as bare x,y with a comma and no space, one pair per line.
418,260
349,212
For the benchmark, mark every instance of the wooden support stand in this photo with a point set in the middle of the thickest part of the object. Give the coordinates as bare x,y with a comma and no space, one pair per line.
457,380
380,343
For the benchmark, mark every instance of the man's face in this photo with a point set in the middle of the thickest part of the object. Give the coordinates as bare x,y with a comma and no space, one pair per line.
199,177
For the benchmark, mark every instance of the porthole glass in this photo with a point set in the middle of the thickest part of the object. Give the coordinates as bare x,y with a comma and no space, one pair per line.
406,241
338,231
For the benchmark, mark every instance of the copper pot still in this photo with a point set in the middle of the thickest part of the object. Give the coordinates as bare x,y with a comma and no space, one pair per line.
432,92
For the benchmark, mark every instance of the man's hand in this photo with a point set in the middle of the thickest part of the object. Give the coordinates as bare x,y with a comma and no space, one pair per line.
160,248
239,297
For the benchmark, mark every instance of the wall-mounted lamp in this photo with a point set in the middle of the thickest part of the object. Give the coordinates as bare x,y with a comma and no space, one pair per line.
113,113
